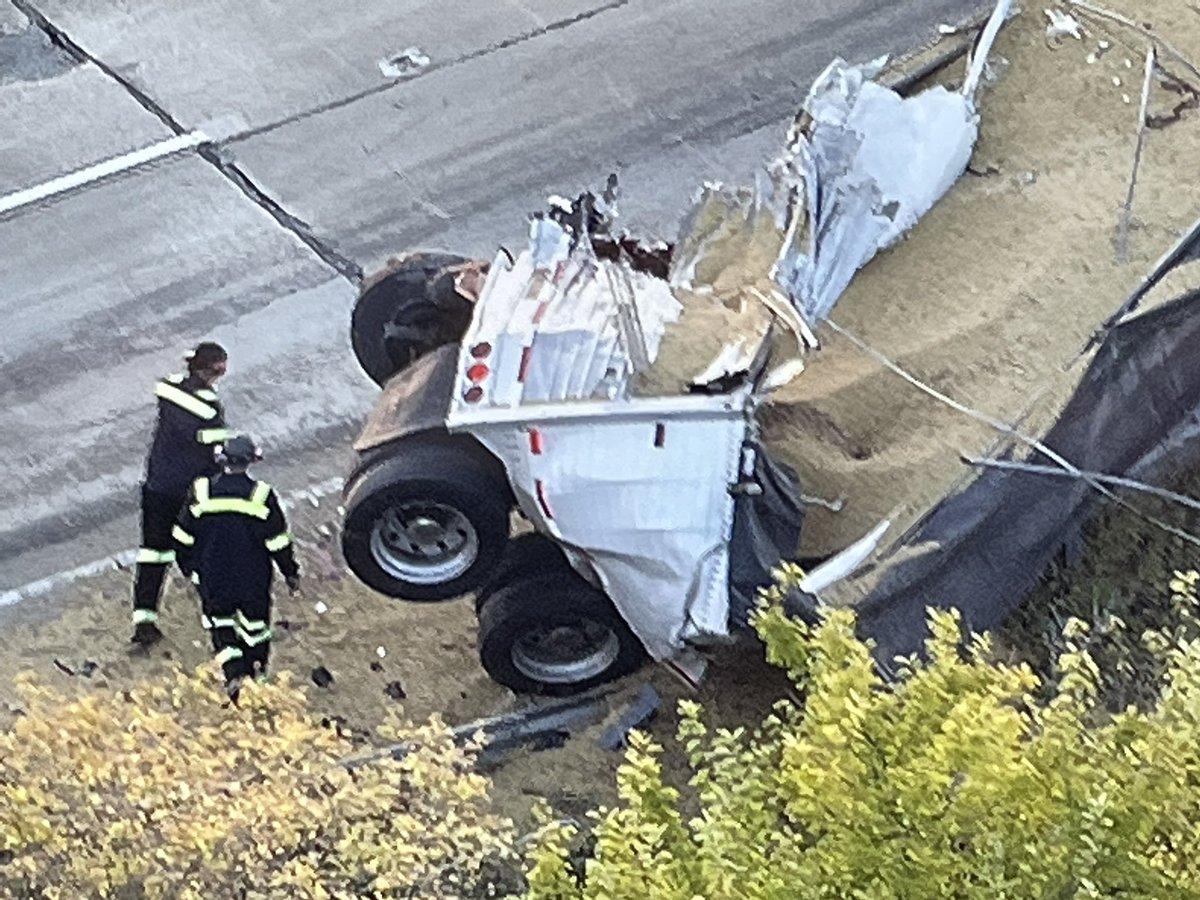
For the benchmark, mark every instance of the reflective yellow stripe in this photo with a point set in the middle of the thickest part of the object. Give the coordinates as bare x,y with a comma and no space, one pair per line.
209,394
277,543
230,505
253,640
200,489
219,622
213,435
249,624
182,536
184,400
229,654
261,492
144,615
147,557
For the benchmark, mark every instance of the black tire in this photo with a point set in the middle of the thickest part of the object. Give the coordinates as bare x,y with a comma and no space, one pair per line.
394,510
527,556
407,313
592,644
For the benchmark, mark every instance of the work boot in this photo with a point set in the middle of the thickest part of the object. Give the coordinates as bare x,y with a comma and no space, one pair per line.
146,634
233,688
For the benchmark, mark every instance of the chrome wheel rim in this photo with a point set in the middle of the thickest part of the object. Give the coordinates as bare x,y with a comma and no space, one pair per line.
566,654
424,543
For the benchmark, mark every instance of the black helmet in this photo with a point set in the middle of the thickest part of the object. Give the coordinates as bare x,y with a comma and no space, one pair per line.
239,451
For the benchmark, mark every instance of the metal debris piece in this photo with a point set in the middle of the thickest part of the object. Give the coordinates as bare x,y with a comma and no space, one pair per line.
1062,25
321,608
641,709
395,690
501,735
404,64
380,652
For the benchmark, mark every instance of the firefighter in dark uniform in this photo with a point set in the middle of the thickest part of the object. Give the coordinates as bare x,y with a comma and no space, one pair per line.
190,424
227,538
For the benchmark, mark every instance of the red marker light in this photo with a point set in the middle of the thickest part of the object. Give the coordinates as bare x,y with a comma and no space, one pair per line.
473,394
478,372
479,351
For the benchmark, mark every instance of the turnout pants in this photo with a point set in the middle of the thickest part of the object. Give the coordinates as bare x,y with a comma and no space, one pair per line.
155,555
241,634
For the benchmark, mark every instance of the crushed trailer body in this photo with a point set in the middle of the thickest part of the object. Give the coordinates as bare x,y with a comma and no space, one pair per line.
675,420
640,490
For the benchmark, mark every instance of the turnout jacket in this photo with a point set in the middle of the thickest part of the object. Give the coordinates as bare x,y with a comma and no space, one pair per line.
228,535
190,421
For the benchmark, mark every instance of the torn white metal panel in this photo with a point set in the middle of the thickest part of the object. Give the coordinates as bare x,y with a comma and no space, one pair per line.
863,165
869,166
641,501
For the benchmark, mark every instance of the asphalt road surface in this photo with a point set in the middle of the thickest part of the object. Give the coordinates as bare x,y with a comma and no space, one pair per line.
321,167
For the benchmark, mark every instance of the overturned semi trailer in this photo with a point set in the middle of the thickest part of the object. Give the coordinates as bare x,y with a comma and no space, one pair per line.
576,396
668,420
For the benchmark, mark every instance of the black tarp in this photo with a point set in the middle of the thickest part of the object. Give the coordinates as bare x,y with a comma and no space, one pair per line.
983,548
766,531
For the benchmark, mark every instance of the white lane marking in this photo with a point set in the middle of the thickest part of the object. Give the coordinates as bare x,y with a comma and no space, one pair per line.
125,557
100,170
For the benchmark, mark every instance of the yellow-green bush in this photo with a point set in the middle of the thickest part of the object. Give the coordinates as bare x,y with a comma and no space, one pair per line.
166,791
960,780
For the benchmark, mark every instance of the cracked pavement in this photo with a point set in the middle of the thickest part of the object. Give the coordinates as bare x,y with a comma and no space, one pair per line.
321,168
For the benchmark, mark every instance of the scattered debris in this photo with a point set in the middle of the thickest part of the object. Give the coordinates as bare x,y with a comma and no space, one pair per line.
404,64
321,608
1143,29
943,28
63,667
640,711
322,677
380,652
376,666
395,690
88,669
1062,26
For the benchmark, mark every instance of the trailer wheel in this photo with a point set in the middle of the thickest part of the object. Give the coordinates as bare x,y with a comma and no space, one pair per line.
526,556
408,312
428,524
554,634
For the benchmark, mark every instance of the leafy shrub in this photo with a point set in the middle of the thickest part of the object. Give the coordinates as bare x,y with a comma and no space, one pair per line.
958,780
166,791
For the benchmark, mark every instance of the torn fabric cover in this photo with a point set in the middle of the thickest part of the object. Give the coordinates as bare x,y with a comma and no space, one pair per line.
868,164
